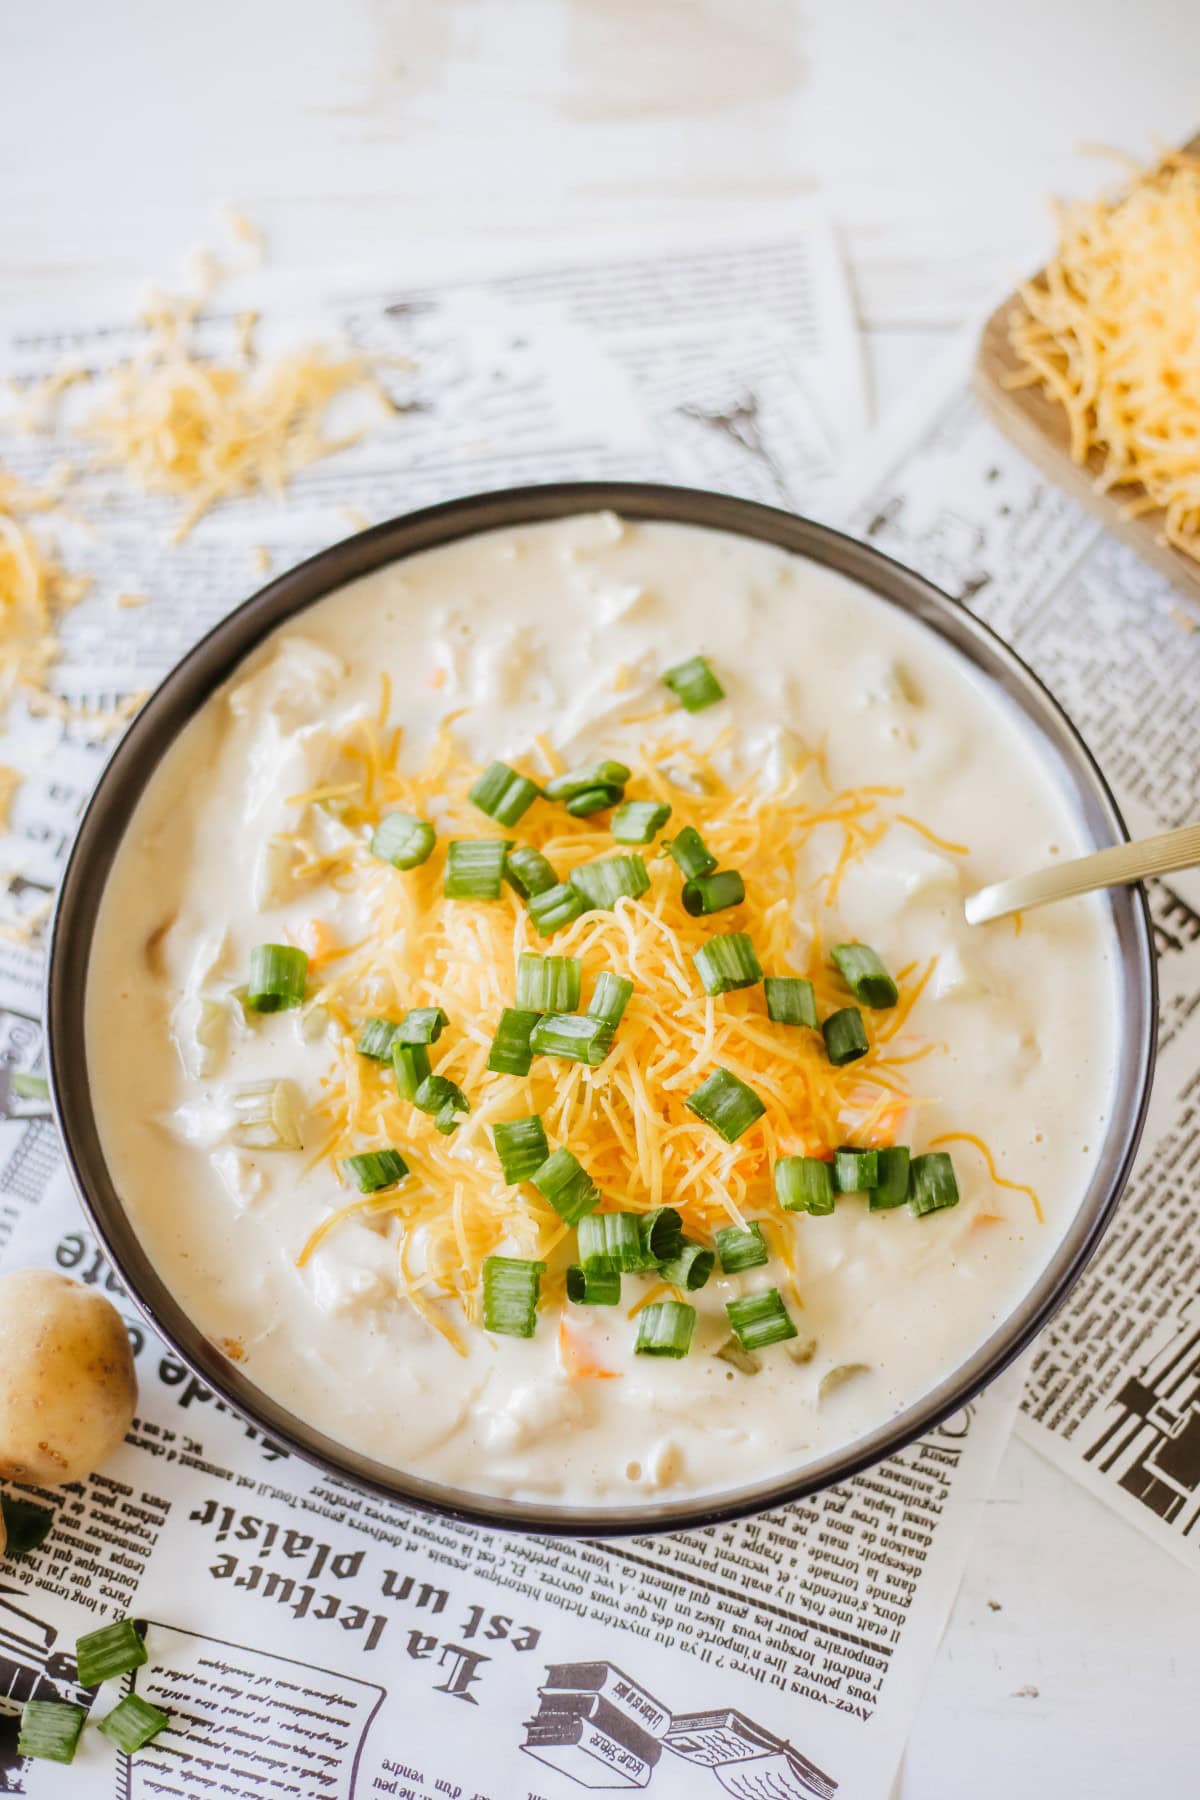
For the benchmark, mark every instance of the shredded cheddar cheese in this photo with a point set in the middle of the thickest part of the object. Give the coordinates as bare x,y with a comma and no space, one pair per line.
35,589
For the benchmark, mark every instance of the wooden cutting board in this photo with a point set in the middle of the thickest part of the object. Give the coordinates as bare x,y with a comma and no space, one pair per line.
1039,427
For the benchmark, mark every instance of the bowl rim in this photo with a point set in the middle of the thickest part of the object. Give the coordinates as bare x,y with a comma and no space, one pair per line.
210,662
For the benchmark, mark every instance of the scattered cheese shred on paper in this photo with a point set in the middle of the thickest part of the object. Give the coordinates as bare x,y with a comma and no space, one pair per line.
1111,331
35,589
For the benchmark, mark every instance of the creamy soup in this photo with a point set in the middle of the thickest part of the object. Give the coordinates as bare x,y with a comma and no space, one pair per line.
856,775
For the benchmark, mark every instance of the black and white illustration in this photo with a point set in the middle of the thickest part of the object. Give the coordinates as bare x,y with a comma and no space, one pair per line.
36,1663
1150,1442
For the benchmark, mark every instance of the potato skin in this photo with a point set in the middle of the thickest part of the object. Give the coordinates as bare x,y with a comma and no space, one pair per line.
67,1384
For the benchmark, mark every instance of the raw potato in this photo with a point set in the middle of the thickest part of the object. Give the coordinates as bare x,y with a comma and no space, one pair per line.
67,1383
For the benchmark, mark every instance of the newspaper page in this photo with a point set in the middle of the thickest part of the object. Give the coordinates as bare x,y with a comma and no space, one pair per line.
1113,1391
306,1638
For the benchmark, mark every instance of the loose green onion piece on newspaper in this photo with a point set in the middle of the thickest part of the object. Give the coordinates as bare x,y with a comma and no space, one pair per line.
738,1249
691,854
527,872
713,893
278,977
845,1036
790,1000
665,1329
804,1184
372,1171
759,1319
601,884
510,1053
727,962
566,1184
861,968
548,984
576,1037
610,996
50,1730
132,1723
597,1287
511,1285
112,1650
726,1103
693,684
475,868
639,821
26,1526
521,1146
403,840
503,794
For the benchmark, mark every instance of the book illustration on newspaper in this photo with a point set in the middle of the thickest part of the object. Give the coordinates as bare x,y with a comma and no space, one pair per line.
605,1730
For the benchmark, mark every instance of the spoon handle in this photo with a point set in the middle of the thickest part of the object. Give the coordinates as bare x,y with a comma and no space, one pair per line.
1171,850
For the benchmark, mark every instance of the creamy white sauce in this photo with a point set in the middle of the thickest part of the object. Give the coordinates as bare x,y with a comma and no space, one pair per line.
526,629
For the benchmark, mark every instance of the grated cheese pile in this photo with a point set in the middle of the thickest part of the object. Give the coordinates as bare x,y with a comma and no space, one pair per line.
1111,331
34,590
626,1120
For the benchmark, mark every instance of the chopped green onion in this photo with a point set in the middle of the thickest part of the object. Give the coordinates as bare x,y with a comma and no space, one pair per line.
845,1036
861,968
521,1146
132,1723
30,1087
548,984
693,684
661,1232
804,1184
422,1025
855,1171
510,1295
691,853
790,1000
690,1268
601,884
410,1064
594,800
665,1329
759,1320
575,1036
113,1650
740,1249
403,840
278,977
892,1187
933,1182
376,1039
574,782
373,1170
737,1358
510,1053
446,1119
50,1730
26,1526
639,821
610,996
503,794
595,1287
441,1098
527,872
727,962
267,1115
713,893
726,1103
475,868
566,1184
612,1241
554,907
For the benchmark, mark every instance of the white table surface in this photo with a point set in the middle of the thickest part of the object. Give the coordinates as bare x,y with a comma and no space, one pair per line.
932,131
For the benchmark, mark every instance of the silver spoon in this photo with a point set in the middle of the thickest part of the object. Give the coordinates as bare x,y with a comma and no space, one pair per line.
1171,850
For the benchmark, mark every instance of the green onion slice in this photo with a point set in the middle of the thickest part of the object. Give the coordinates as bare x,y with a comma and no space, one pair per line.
50,1730
30,1087
713,893
661,1232
690,1268
376,1039
892,1187
566,1184
760,1319
855,1171
422,1025
132,1723
510,1295
693,684
475,868
510,1053
790,1000
601,884
527,872
278,977
403,840
610,996
804,1184
548,984
410,1064
665,1329
441,1098
861,968
503,794
113,1650
574,782
595,1287
732,1353
727,1104
933,1182
639,821
267,1115
577,1037
373,1170
612,1241
727,962
740,1249
845,1036
521,1146
594,800
554,907
691,853
26,1526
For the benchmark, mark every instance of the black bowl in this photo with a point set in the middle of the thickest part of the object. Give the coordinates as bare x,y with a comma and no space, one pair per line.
215,658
